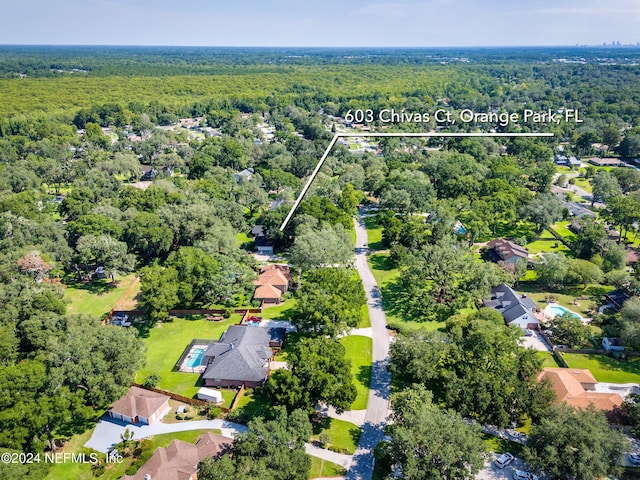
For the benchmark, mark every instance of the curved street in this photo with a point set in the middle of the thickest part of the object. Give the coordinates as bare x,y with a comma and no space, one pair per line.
378,405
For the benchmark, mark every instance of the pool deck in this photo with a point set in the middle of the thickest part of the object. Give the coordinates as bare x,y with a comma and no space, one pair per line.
197,368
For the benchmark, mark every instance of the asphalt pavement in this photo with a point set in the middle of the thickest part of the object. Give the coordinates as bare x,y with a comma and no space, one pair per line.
378,405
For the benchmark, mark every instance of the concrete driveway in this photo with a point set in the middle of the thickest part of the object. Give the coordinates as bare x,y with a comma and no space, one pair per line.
491,472
536,342
108,430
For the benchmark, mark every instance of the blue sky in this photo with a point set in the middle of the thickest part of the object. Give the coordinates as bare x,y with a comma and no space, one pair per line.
328,23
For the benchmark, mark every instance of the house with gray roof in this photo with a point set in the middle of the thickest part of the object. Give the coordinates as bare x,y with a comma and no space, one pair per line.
516,309
240,357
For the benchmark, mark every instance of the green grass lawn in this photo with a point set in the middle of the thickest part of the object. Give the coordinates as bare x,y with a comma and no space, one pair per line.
385,276
343,436
576,299
606,369
324,468
374,233
280,312
97,297
253,405
359,352
583,183
69,470
547,245
547,359
165,343
563,230
242,239
365,320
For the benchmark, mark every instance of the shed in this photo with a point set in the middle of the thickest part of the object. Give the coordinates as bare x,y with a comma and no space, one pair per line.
210,395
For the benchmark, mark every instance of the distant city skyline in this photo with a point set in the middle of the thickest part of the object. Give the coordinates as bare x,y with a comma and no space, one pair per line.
392,23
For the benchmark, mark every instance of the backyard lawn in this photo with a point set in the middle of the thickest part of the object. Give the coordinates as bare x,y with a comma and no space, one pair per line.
165,343
280,312
576,299
562,228
97,297
359,352
547,359
606,369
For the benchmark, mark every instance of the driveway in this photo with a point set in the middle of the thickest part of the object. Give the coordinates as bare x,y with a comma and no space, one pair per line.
378,405
491,472
108,430
536,342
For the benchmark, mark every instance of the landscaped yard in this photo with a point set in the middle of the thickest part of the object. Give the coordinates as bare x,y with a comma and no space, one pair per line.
575,299
324,468
280,312
165,343
97,297
343,436
359,352
562,229
82,471
606,369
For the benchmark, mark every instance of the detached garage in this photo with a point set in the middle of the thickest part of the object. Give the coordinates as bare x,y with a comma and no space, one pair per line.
210,395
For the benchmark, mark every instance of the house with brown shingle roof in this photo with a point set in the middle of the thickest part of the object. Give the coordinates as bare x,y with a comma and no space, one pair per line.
179,461
576,387
268,294
140,406
274,278
501,250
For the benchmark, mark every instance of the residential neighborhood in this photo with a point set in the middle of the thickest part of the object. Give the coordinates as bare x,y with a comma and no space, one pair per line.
234,267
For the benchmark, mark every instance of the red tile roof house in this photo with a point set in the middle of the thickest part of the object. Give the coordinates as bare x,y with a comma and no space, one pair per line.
576,387
140,406
179,461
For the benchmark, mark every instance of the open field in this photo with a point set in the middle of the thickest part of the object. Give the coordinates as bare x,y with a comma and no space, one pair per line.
97,297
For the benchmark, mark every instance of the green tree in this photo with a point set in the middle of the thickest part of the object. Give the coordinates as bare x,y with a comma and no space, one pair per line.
159,291
318,372
476,367
148,237
563,443
105,251
197,274
605,186
544,210
622,211
591,238
427,442
329,302
318,247
569,330
274,448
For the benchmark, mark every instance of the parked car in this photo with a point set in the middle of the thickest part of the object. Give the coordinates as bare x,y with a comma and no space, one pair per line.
121,320
504,460
634,458
522,475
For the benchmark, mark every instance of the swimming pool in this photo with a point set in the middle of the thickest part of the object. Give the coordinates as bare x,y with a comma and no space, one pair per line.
195,357
556,310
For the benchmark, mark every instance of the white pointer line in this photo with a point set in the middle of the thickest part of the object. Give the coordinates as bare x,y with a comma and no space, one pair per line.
392,134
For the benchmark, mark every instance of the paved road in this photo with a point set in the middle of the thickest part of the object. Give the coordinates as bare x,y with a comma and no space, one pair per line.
378,405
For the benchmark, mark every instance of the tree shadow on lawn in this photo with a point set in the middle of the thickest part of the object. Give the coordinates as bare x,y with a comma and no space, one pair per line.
95,287
364,375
